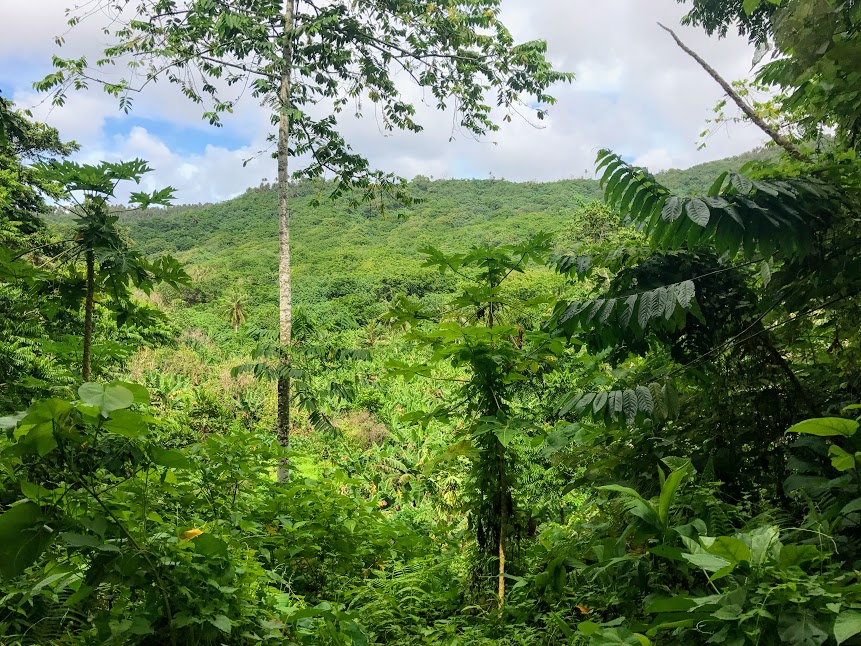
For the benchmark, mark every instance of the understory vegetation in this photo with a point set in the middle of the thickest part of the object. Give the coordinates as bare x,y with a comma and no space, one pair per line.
621,411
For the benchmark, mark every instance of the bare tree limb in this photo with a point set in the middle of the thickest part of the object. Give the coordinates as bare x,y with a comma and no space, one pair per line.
775,136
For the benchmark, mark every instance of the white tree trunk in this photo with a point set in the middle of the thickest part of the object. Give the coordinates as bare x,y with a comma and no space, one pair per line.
285,291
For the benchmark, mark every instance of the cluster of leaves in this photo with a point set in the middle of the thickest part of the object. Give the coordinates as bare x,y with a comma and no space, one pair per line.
299,55
693,343
653,401
755,217
194,544
311,365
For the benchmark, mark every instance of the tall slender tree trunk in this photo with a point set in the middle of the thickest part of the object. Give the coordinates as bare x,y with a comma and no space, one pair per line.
89,304
284,287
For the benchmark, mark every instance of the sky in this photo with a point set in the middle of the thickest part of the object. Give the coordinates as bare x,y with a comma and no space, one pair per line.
635,92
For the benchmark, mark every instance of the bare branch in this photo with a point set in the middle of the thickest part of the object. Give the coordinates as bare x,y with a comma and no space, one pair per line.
775,136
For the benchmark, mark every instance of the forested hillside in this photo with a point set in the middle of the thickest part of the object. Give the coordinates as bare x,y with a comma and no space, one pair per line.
359,410
341,250
359,257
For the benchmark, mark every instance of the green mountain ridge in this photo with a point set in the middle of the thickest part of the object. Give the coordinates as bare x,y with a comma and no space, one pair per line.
344,252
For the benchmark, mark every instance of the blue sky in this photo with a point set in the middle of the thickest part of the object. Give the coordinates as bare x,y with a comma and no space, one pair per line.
635,92
184,139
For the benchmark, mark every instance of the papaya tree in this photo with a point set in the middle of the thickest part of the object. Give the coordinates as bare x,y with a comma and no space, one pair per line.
499,355
112,268
311,62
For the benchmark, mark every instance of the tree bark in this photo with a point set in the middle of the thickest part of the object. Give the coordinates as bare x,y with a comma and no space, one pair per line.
285,290
775,136
89,304
502,485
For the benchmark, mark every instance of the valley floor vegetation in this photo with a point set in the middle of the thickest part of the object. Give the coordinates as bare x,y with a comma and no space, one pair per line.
614,412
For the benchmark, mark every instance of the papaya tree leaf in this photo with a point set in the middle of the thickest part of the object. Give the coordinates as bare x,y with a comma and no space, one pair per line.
106,398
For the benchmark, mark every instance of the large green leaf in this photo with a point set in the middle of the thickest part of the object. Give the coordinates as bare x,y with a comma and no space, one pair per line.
685,293
106,398
656,604
222,623
506,434
645,401
562,625
672,209
23,538
801,628
126,423
708,562
668,492
628,312
41,438
764,544
698,212
741,183
826,427
630,405
39,494
170,458
847,624
840,459
618,637
210,546
45,410
42,420
733,549
599,402
140,393
645,313
87,540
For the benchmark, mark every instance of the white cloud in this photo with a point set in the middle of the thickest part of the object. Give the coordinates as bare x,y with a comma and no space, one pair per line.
82,118
636,93
657,159
214,175
599,77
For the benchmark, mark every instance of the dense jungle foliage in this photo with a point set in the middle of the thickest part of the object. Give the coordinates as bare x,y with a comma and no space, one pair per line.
604,412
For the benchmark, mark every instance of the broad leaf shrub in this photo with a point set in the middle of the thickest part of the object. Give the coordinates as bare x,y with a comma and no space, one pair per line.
684,567
109,536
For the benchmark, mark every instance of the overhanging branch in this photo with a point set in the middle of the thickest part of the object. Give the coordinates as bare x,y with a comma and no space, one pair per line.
775,136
